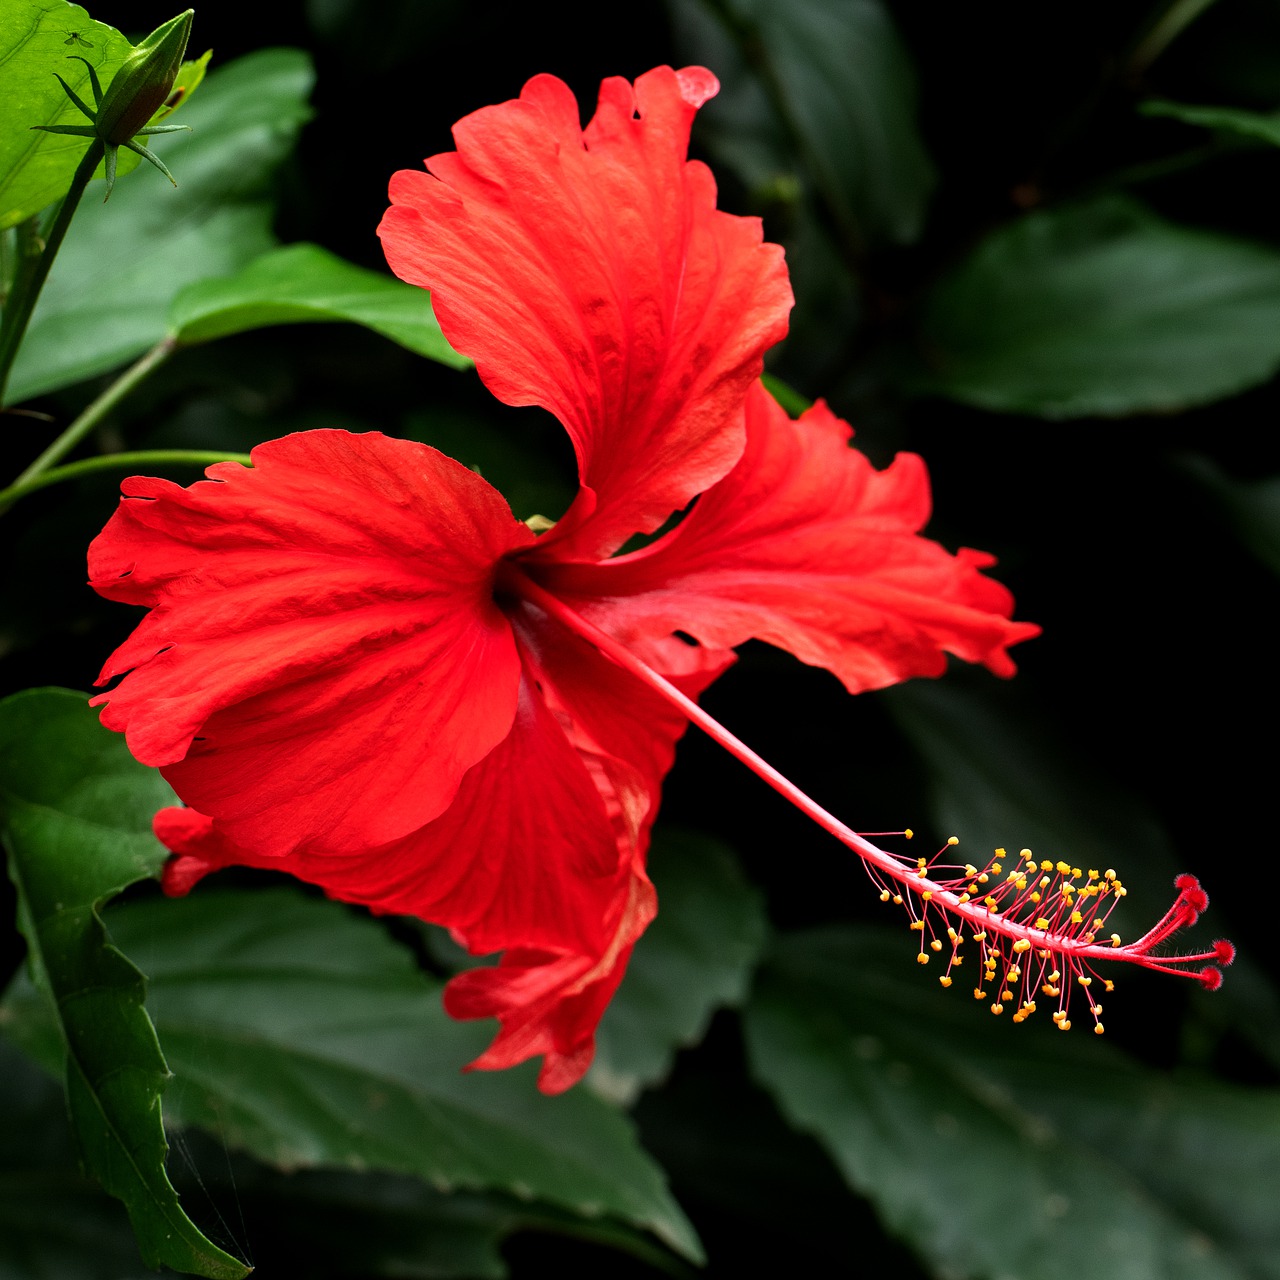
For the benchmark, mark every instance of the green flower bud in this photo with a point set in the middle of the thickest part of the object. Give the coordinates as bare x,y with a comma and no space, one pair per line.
138,90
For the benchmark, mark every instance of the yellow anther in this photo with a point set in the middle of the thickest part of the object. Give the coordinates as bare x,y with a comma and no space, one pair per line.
1067,891
1093,875
1044,953
923,873
1115,939
997,1009
989,902
999,853
1041,922
1045,881
935,945
944,980
908,833
1086,982
1035,897
957,959
1054,976
1032,864
953,839
1097,1031
922,863
980,937
927,895
1065,1025
1060,1016
1022,945
954,936
1077,918
1024,853
1050,990
996,868
1020,883
1108,986
970,869
922,958
1095,1009
1076,873
1121,891
964,897
1046,865
1006,994
1013,973
1109,874
884,895
979,994
983,878
1029,1006
917,925
897,899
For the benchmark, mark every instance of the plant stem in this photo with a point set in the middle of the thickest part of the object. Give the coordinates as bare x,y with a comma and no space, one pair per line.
33,270
96,411
114,461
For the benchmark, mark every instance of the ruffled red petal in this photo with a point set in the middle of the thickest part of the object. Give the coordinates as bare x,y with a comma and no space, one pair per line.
323,660
806,545
588,271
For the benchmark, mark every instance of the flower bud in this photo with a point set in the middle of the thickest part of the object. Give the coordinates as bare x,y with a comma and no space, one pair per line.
144,81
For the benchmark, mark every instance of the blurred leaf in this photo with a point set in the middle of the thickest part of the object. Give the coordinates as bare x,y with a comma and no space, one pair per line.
697,956
998,778
39,38
512,455
1102,309
999,1150
1248,124
77,826
840,83
303,283
299,1032
123,263
1252,507
53,1221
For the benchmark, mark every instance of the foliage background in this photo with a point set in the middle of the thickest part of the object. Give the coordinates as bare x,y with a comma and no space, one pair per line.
1136,516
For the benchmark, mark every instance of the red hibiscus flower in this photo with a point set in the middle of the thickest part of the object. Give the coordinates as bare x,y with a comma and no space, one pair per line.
360,668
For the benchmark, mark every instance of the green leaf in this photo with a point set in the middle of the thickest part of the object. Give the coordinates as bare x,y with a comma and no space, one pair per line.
108,296
304,283
840,87
53,1221
297,1031
77,826
1011,1151
1102,309
1264,126
1251,506
39,38
697,956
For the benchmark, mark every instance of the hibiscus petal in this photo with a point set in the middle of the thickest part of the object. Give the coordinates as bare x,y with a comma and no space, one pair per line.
804,544
588,271
324,659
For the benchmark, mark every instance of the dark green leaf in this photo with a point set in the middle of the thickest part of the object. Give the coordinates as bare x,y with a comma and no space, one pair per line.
122,264
698,955
299,1032
77,826
303,283
841,92
1102,309
1252,507
1011,1151
39,38
53,1221
1264,126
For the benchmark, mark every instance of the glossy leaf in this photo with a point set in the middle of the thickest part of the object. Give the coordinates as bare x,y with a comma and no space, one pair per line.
303,283
108,296
697,956
297,1031
77,827
1261,125
1102,309
999,1150
1252,507
38,40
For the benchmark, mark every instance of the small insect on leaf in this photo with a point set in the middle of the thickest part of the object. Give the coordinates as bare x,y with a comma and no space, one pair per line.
74,37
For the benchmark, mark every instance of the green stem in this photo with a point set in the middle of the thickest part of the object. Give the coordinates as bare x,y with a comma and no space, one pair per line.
114,461
1164,31
96,411
34,269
